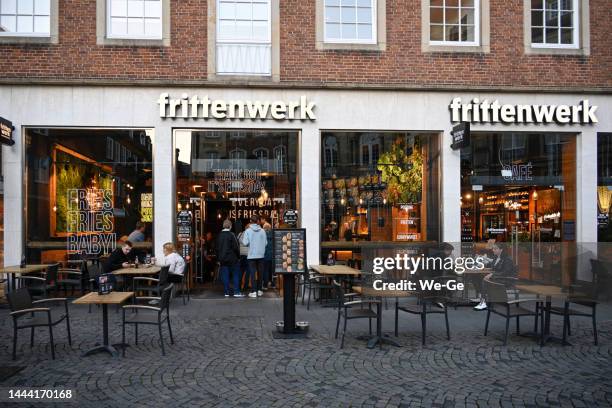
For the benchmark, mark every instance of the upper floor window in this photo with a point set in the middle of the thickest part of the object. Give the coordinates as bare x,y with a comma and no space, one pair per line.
350,21
454,22
244,37
554,23
134,19
25,18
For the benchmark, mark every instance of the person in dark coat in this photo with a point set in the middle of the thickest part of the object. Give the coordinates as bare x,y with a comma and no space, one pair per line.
228,255
119,258
502,267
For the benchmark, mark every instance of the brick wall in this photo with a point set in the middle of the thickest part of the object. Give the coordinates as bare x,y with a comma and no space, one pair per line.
78,57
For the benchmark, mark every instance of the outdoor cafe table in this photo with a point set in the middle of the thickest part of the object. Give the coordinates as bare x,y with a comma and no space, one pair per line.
342,272
131,272
547,292
18,270
113,298
379,338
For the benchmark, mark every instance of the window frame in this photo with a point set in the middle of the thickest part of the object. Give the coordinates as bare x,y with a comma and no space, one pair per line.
374,16
576,17
7,37
112,36
477,28
242,41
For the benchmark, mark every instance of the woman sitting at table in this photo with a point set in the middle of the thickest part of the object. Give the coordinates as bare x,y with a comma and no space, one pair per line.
502,267
175,261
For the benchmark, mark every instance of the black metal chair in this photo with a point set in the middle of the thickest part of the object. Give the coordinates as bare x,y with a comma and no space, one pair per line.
161,315
311,281
428,303
587,307
73,278
41,285
348,312
151,285
27,314
498,303
184,284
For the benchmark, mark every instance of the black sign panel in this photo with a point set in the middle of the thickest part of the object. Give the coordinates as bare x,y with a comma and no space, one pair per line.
290,217
183,226
289,246
461,136
6,132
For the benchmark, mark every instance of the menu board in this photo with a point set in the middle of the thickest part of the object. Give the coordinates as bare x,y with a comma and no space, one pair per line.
289,250
183,224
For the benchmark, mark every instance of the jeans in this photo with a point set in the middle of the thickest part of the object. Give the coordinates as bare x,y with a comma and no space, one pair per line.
225,277
244,271
268,270
255,266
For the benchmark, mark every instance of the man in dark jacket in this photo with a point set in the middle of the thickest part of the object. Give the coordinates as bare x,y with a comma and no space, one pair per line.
119,258
503,269
228,254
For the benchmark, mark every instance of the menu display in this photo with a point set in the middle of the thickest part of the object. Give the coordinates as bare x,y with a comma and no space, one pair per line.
289,249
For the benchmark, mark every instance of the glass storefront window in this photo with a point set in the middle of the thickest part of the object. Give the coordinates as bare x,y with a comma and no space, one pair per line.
378,189
86,190
520,188
604,186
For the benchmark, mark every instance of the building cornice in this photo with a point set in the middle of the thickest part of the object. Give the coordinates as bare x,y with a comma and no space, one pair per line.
313,85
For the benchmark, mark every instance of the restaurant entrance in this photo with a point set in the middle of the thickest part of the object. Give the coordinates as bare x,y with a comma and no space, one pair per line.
231,175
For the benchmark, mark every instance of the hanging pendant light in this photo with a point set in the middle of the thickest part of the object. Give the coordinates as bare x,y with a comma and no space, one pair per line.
603,199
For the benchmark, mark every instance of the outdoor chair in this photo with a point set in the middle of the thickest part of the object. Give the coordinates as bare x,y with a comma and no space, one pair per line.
27,314
583,304
184,284
73,278
427,304
347,311
95,270
152,315
498,303
602,279
151,285
311,281
41,285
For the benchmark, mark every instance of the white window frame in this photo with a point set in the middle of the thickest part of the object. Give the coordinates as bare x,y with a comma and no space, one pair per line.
576,19
280,157
31,34
477,23
374,40
110,35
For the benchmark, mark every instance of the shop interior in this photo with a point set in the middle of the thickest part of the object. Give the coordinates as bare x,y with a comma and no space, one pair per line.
231,175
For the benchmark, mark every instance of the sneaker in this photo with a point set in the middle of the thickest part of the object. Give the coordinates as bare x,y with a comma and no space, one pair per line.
226,295
238,295
253,294
259,293
481,306
440,305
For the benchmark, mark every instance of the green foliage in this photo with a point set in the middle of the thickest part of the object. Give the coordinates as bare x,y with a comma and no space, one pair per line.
68,177
402,174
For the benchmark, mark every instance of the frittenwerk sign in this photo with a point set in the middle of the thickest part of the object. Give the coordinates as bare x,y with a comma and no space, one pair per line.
202,107
476,111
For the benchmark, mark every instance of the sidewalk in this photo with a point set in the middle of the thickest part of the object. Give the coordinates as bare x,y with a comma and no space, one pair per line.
225,356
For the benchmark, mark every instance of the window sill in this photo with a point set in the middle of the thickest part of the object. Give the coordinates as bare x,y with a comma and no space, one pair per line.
328,46
133,42
27,39
241,79
473,49
555,51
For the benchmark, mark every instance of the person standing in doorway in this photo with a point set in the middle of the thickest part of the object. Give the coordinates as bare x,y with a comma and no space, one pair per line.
268,279
255,238
228,254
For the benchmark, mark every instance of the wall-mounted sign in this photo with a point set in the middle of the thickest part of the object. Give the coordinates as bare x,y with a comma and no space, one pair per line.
183,226
6,132
146,207
236,181
195,107
290,217
493,112
461,136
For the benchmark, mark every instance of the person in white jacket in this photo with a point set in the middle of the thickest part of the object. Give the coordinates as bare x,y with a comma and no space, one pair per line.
175,261
255,238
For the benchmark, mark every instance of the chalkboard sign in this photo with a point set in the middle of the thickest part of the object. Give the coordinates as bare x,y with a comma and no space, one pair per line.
289,245
183,226
290,217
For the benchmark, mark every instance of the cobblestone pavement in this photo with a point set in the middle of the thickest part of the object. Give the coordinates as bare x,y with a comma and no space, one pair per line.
225,355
